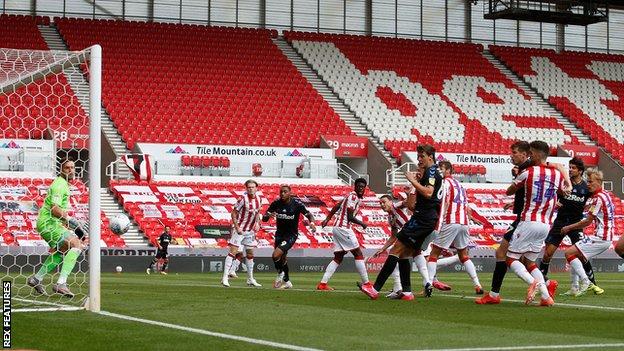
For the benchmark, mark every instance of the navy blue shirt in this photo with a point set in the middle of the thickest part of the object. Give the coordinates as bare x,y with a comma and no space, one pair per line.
287,216
164,240
428,210
572,206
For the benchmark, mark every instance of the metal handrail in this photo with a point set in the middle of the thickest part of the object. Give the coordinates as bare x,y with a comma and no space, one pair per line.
391,173
349,175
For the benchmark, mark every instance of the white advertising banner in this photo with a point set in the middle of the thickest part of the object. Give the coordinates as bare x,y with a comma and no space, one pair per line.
234,152
498,167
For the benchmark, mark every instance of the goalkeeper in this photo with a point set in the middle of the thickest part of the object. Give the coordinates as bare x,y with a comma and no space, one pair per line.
62,232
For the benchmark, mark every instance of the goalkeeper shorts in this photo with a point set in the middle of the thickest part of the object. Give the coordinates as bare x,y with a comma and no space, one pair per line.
54,233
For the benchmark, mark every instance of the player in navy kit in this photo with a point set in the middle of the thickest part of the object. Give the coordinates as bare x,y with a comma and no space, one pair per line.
570,211
417,230
163,244
286,211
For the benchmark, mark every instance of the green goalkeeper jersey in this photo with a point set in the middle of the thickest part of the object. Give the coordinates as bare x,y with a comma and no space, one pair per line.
58,194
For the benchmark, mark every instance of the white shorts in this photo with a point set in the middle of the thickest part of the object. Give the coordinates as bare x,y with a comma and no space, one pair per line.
528,239
244,240
452,234
344,239
591,246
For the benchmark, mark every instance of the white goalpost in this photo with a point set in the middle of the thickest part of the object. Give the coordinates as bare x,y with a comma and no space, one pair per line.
50,104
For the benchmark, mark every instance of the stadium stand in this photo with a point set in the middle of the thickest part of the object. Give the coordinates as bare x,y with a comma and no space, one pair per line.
20,203
414,91
185,205
171,83
586,87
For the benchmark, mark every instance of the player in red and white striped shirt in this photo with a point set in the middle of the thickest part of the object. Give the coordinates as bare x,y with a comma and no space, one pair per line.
541,184
344,237
245,224
453,226
601,211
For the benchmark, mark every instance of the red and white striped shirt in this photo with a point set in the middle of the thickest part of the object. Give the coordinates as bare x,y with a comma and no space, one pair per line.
351,202
454,209
399,216
248,209
540,197
601,206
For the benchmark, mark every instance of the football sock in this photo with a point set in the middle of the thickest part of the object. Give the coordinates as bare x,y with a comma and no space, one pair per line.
405,270
397,279
165,265
577,266
472,272
49,265
386,270
69,261
431,267
447,261
278,265
227,265
521,271
544,266
421,264
589,270
537,275
329,271
235,264
151,265
285,270
361,268
499,274
250,266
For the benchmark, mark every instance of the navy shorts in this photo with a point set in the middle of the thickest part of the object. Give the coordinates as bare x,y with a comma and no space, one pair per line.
161,254
285,243
554,235
414,233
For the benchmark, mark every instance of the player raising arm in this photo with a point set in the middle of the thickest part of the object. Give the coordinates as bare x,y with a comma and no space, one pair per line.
344,237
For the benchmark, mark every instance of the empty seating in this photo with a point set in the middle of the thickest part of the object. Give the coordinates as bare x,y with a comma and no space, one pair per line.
169,83
588,88
413,91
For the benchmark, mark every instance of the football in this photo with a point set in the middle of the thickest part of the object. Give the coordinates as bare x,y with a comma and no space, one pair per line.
119,224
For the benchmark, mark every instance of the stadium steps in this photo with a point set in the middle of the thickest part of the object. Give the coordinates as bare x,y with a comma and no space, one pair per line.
80,86
111,207
574,130
333,100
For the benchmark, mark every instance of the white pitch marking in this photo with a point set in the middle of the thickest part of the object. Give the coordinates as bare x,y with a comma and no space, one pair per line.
210,333
47,309
529,347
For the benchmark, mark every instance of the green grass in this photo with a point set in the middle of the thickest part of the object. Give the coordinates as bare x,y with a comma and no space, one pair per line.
340,320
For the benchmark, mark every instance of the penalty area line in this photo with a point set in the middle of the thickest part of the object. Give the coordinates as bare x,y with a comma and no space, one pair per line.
530,347
208,332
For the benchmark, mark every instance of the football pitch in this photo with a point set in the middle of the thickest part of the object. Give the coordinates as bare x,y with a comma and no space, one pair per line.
193,312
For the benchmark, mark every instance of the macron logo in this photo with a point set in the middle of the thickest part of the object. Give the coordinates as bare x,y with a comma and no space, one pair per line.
177,150
10,145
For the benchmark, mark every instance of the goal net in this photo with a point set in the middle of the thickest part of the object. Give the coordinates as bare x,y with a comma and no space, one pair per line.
49,112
